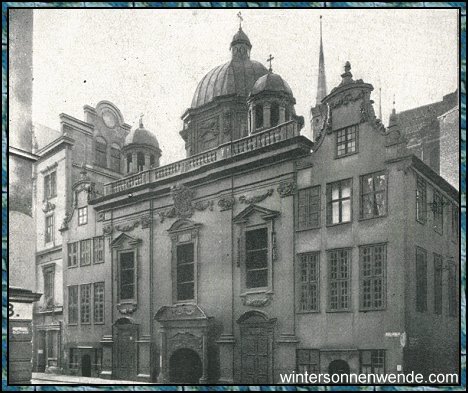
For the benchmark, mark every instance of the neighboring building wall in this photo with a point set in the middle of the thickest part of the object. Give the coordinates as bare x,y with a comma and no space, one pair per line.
450,146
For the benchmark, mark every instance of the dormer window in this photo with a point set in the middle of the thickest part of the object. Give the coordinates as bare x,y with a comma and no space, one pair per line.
346,141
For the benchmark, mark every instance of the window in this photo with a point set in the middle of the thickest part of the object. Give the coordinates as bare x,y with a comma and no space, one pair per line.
372,276
72,254
85,252
308,211
50,185
49,228
454,222
258,116
308,360
140,161
373,195
115,158
339,202
74,358
73,304
346,141
309,265
129,163
185,272
421,280
421,200
452,290
372,361
85,303
274,116
49,278
437,284
152,160
127,275
101,152
438,211
99,302
83,215
339,280
98,249
256,261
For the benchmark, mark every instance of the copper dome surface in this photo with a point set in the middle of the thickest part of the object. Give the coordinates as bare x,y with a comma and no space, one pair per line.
141,136
237,76
271,82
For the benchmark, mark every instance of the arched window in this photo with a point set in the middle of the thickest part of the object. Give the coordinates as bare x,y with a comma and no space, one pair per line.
140,161
115,157
101,152
288,115
129,163
152,162
258,116
274,114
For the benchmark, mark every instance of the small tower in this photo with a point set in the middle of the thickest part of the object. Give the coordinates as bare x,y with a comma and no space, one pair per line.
141,150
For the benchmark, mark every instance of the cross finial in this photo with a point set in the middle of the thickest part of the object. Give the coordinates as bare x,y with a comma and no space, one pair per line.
141,120
270,58
239,15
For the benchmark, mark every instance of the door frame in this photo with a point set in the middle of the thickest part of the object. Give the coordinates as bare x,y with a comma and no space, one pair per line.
125,324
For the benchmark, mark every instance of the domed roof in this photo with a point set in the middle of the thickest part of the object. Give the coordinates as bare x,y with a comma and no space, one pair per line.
141,136
240,36
271,82
235,77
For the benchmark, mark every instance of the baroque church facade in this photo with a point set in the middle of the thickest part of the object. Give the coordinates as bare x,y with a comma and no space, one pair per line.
260,253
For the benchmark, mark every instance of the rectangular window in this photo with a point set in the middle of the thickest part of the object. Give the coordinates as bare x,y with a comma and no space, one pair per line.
452,290
99,302
308,360
85,252
98,249
373,195
85,303
73,304
50,185
72,254
115,159
101,154
421,200
185,272
49,287
83,215
49,228
437,284
372,361
421,280
454,222
127,275
438,211
339,280
372,274
74,358
309,265
308,211
256,258
346,141
339,202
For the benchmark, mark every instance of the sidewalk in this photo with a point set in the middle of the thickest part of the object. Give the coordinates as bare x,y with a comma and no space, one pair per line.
58,379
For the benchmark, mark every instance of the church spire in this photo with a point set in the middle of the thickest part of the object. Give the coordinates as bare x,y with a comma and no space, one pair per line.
321,82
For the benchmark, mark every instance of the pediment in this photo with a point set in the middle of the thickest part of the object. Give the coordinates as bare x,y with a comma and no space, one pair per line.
124,240
183,225
252,210
179,312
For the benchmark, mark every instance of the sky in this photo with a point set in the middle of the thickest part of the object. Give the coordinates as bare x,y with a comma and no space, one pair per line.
150,61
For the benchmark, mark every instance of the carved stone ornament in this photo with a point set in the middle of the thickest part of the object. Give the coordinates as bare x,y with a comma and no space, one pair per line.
168,213
203,205
126,308
227,122
347,98
255,198
100,216
256,299
182,197
186,340
127,227
286,188
226,203
107,230
47,207
145,222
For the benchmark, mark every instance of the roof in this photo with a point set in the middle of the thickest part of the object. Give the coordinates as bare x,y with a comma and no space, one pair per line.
271,82
141,136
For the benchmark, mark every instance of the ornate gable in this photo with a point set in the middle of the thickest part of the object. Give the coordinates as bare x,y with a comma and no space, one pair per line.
262,212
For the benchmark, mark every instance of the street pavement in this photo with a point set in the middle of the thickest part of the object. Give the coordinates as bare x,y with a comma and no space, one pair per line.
56,379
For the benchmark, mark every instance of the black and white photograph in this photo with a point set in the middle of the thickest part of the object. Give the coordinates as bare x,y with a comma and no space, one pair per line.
233,196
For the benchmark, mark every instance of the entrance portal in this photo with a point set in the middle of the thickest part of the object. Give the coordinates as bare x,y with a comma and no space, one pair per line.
185,366
86,366
338,367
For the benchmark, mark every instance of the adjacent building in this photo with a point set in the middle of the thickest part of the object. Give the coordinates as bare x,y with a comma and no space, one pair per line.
260,253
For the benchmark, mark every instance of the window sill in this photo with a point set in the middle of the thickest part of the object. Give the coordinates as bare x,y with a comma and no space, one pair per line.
72,267
88,264
99,323
365,310
308,312
257,291
86,323
339,311
373,218
337,157
308,229
338,224
421,222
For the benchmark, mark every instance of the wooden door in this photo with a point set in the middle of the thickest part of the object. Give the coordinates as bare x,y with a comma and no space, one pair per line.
256,355
126,342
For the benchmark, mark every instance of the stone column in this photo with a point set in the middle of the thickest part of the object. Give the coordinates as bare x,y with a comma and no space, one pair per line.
266,115
163,377
147,161
253,125
204,377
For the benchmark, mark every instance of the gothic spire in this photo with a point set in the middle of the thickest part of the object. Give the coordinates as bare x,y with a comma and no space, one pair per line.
321,82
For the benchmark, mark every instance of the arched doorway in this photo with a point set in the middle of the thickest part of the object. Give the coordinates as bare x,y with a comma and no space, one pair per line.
185,366
338,367
86,366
